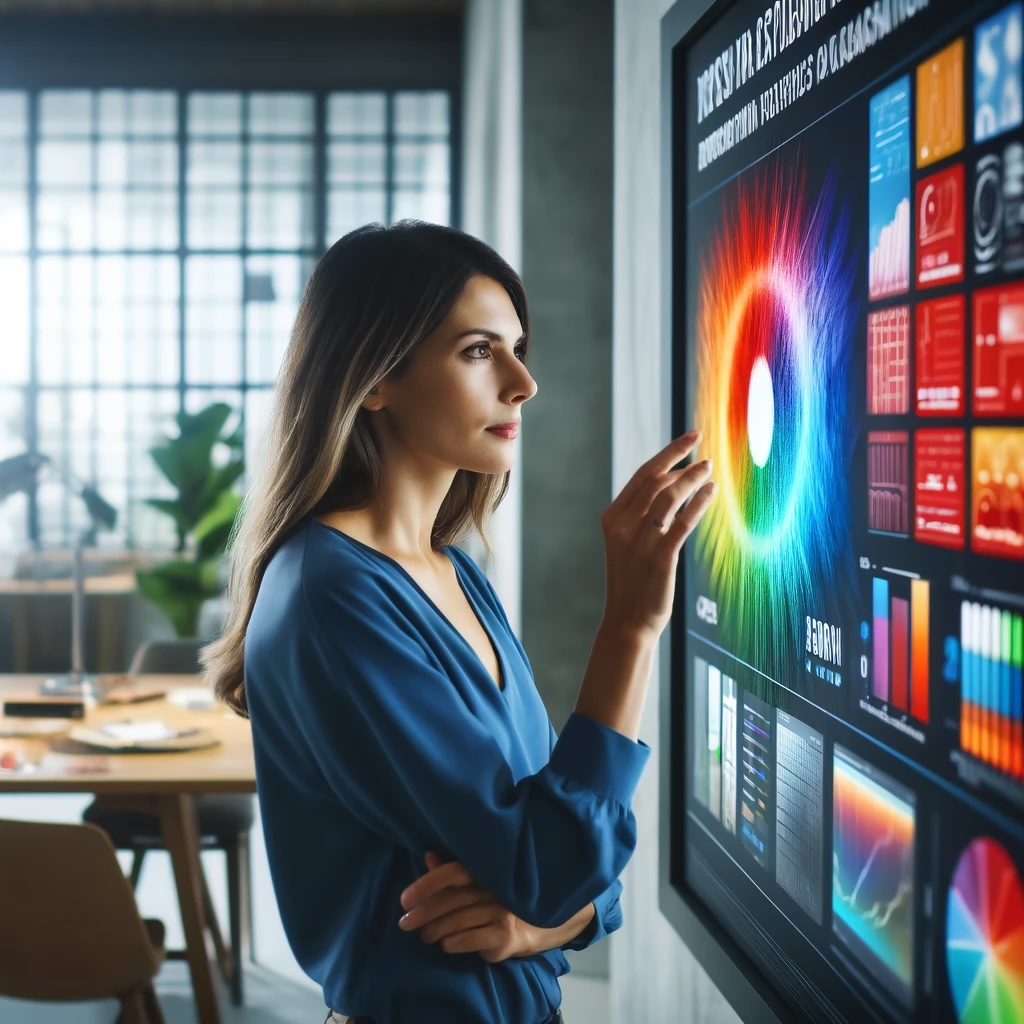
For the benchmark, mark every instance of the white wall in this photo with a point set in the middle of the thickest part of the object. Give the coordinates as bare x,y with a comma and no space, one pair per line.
492,210
654,977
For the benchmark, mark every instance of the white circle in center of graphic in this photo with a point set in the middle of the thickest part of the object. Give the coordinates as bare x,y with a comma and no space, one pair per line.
760,412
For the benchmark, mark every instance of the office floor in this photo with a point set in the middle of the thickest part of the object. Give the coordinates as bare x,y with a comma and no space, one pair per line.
270,999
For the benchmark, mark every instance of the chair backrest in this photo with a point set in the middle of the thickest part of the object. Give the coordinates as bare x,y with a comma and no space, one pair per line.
168,657
70,929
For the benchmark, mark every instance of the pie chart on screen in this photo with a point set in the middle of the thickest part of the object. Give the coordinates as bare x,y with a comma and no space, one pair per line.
985,936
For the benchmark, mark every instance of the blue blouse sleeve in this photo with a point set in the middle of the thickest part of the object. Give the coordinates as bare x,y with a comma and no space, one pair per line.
398,747
607,910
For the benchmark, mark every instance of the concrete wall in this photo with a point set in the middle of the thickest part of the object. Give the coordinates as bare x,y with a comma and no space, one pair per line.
566,266
654,977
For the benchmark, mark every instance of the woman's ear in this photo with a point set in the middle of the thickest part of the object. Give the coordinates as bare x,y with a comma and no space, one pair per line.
373,401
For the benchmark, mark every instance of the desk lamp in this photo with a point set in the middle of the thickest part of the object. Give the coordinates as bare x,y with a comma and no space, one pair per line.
19,474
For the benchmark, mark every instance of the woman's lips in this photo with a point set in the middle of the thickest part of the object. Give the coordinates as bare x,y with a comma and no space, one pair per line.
509,433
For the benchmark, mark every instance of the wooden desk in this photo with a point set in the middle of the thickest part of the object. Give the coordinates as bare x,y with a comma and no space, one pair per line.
119,583
160,784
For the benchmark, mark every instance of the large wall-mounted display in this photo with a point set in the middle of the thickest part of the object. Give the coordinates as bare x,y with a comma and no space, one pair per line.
846,785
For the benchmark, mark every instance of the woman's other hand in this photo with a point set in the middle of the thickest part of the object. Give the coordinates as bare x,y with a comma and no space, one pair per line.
447,906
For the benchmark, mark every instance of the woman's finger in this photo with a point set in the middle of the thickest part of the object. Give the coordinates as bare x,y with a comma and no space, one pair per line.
441,904
687,519
477,940
654,468
667,505
477,915
452,873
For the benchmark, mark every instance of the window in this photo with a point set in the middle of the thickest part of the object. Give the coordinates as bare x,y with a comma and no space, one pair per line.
154,244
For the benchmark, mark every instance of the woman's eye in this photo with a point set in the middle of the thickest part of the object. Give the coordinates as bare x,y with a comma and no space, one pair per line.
521,353
476,348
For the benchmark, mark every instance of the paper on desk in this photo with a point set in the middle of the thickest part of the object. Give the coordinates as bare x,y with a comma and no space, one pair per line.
139,732
196,698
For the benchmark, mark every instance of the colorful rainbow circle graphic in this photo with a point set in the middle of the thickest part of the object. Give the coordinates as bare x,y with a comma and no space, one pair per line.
985,936
774,329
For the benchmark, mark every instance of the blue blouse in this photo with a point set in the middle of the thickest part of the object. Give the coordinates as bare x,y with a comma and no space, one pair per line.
380,735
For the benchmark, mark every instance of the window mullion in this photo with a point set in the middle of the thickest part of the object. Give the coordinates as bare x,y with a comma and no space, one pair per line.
246,166
95,302
182,240
320,172
389,157
32,391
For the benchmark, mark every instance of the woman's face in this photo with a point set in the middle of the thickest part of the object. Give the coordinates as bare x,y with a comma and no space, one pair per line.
465,377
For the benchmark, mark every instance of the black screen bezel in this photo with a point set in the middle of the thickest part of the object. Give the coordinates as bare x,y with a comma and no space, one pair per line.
747,989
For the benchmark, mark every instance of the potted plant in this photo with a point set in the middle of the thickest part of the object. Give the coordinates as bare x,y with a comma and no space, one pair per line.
203,511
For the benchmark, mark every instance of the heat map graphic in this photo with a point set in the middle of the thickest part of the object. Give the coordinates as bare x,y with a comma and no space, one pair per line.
774,325
985,936
873,870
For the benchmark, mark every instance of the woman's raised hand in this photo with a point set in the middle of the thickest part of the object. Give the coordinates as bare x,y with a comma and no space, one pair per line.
644,529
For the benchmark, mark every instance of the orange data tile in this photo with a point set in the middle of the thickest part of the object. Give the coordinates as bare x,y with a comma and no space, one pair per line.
997,491
940,105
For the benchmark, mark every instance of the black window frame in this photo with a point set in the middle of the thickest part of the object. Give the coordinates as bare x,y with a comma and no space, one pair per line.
265,52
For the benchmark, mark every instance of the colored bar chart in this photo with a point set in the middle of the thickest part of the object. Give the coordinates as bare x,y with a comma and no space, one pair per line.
919,614
992,691
900,618
880,613
900,647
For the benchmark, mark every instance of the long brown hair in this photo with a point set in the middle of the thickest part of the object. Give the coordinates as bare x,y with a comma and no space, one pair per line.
369,304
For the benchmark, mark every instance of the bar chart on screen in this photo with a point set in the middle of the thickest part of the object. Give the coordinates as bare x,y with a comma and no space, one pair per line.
899,653
991,697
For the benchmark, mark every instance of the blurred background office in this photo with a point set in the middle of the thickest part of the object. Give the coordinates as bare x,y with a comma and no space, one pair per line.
170,172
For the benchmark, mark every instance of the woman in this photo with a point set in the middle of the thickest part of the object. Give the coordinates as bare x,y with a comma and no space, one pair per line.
433,846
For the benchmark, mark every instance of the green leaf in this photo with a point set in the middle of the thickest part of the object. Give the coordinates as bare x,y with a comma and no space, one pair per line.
178,589
169,460
217,483
235,441
214,529
170,507
210,577
205,509
204,427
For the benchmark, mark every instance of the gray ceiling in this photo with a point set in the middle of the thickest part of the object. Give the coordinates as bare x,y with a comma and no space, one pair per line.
322,7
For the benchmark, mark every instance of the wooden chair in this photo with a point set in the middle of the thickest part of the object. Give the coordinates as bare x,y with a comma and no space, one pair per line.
71,930
224,822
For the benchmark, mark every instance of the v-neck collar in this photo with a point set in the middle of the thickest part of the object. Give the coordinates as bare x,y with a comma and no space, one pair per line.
503,672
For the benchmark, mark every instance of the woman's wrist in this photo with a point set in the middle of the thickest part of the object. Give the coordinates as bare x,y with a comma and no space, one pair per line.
540,940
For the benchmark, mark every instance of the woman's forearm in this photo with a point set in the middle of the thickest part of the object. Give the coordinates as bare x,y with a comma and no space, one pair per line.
615,683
